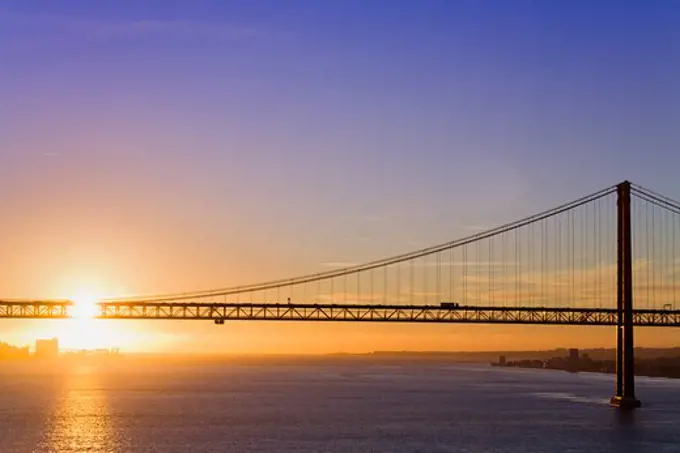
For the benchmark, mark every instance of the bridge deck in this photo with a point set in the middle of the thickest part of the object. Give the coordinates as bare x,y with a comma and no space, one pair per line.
341,313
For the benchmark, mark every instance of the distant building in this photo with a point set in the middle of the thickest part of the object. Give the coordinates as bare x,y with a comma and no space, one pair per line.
573,361
501,360
47,349
573,355
9,352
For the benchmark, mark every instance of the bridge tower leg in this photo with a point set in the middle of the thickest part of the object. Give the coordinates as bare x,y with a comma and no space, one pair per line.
625,347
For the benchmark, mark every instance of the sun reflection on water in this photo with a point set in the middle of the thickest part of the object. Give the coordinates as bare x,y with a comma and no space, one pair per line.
81,421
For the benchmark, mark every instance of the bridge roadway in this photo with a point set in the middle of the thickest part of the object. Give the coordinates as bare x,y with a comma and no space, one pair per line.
220,312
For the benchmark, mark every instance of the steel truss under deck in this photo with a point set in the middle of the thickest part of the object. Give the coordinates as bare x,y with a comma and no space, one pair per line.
220,312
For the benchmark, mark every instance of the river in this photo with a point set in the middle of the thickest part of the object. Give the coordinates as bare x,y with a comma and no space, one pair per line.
325,406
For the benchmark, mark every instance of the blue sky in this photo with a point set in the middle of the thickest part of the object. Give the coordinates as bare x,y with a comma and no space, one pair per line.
332,118
272,137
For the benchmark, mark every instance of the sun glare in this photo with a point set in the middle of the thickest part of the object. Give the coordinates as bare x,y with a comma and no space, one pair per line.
84,331
85,306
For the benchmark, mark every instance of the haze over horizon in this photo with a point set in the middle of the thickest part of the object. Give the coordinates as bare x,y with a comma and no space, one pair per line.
153,149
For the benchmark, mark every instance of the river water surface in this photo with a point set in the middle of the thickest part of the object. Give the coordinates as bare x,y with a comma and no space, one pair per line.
345,406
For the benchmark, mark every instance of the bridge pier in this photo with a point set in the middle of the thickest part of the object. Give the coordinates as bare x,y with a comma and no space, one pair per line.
625,346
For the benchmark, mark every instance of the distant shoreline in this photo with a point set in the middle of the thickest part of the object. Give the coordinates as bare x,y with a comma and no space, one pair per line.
664,367
602,354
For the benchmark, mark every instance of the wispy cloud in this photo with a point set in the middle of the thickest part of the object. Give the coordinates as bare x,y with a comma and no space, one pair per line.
94,27
339,264
445,263
433,264
378,217
588,287
479,227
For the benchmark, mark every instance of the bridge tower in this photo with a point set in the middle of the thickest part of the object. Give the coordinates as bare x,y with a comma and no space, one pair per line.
625,348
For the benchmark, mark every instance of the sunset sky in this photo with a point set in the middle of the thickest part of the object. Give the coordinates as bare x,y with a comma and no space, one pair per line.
149,148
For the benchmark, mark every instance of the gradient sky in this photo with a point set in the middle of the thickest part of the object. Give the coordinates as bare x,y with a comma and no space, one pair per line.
151,147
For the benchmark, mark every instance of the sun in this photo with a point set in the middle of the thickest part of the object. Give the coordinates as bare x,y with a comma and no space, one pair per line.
85,330
85,305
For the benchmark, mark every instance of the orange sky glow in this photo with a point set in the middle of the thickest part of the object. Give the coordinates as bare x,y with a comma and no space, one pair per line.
150,150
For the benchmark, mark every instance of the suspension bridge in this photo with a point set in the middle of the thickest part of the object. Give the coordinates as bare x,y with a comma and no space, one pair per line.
581,263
